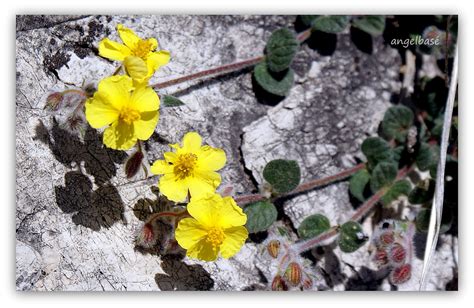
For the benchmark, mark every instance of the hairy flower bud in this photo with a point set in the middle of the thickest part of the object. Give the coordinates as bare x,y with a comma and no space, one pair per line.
53,100
273,248
278,284
400,274
381,257
293,274
387,238
397,253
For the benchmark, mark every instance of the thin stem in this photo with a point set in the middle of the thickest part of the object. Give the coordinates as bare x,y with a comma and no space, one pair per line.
75,91
316,241
302,36
243,200
167,214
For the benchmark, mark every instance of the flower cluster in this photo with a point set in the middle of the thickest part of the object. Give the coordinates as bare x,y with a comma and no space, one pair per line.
216,223
125,104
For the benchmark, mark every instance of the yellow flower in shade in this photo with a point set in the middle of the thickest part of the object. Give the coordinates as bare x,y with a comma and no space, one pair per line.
191,168
138,55
131,113
217,225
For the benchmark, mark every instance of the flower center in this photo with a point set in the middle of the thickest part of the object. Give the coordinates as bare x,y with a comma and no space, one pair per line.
142,48
184,165
129,115
215,236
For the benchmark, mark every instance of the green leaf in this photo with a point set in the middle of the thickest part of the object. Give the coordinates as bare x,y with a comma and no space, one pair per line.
424,158
351,236
283,175
358,183
331,23
422,193
372,24
376,150
260,216
401,187
281,48
171,101
396,122
383,175
397,153
423,220
307,20
313,226
270,83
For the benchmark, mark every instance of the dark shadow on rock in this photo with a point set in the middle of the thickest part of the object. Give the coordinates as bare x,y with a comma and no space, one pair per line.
92,209
324,43
367,280
182,277
419,243
332,268
145,207
263,96
362,40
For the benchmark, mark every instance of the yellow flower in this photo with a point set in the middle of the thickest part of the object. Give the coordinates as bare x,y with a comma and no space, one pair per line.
131,113
191,168
140,59
217,225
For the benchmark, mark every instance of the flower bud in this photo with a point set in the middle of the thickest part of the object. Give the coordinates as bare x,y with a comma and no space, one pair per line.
381,257
53,100
397,253
293,274
278,284
273,248
387,238
307,283
400,274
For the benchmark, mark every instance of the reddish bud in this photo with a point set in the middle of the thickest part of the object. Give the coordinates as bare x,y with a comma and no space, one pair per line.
133,164
381,257
53,100
273,248
387,238
278,284
400,274
147,233
397,253
307,283
293,274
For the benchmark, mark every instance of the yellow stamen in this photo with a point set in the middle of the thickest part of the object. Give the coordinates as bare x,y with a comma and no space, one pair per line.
142,49
215,236
184,165
129,115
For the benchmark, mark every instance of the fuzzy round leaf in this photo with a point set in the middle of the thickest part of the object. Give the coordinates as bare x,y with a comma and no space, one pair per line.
401,187
383,175
331,23
351,237
307,20
313,226
358,183
396,122
421,195
260,216
272,84
280,49
376,150
171,101
372,24
424,157
283,175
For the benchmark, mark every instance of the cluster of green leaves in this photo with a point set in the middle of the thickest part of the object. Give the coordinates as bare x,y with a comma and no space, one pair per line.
274,74
372,24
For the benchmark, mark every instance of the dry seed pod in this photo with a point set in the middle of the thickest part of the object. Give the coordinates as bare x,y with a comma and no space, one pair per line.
278,284
273,248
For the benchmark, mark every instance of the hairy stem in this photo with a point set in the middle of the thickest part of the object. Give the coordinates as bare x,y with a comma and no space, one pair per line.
227,68
313,184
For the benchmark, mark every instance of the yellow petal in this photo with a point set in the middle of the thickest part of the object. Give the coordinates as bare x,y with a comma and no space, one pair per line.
192,142
145,127
117,90
205,209
100,112
157,59
234,240
231,215
211,158
161,167
203,183
202,250
153,43
113,50
189,232
174,189
119,136
135,67
129,38
170,157
145,99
